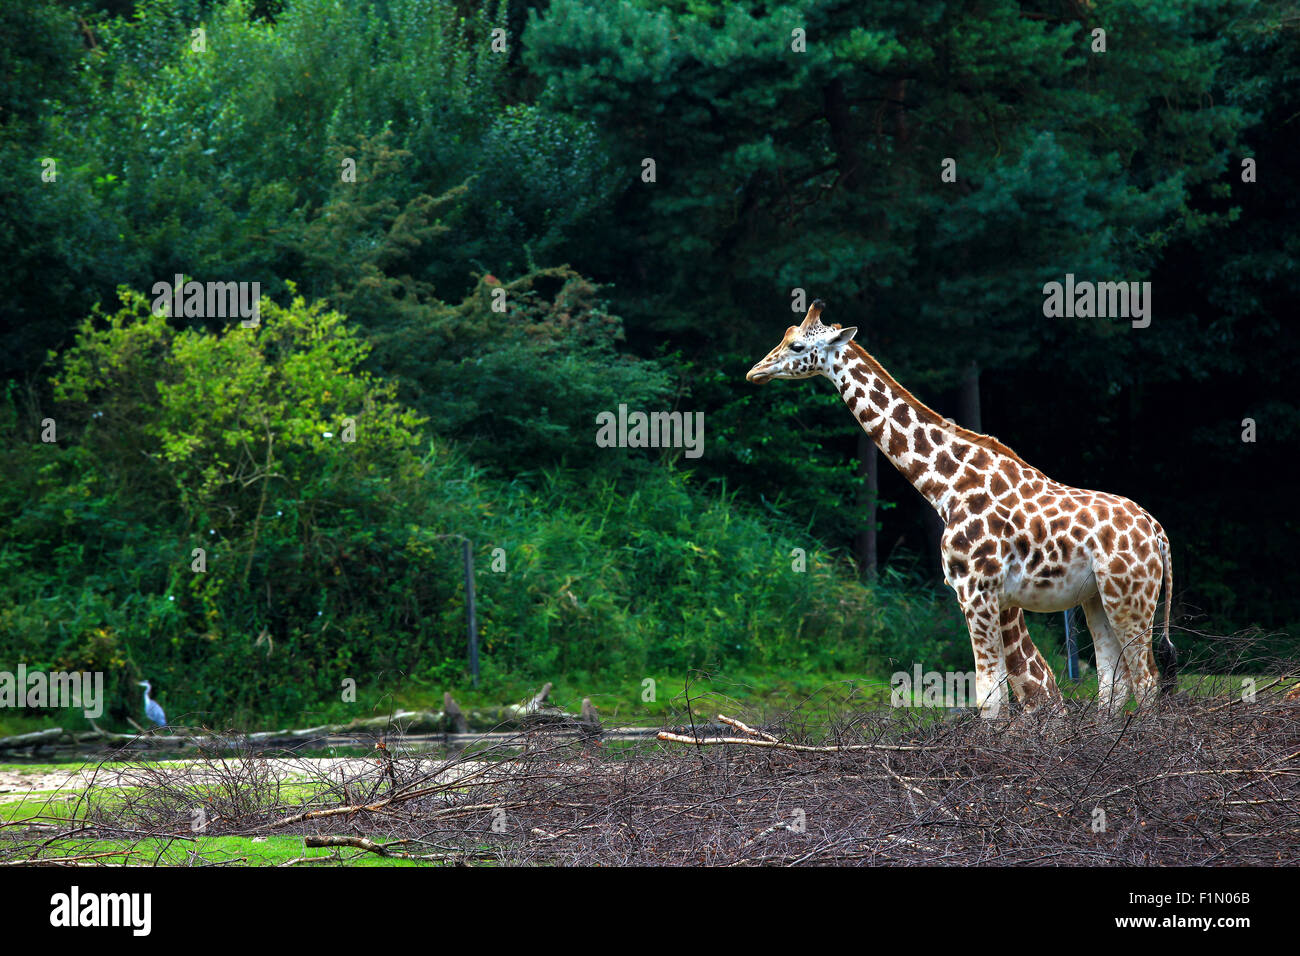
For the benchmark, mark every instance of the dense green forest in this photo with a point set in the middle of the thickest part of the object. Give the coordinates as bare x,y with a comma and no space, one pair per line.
476,226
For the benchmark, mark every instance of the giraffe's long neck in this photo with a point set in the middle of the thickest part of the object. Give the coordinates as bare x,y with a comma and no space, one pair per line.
941,461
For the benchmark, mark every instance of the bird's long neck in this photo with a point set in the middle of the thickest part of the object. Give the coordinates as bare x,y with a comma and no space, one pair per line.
942,461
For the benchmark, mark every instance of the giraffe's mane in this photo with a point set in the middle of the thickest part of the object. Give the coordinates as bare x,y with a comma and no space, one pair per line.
930,416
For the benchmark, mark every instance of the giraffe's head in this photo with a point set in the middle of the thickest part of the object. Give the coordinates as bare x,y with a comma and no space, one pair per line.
806,350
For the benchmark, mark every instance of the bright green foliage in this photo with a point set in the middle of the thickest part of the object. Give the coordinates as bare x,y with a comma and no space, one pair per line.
623,586
328,559
238,409
234,443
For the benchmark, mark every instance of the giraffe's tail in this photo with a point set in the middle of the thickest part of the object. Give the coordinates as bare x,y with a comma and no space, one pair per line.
1166,654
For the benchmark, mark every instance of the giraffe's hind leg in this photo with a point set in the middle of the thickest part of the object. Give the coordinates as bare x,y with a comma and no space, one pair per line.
1112,671
1030,676
1132,627
1129,590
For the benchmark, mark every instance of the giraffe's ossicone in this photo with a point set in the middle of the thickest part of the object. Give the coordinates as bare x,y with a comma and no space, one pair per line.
1014,539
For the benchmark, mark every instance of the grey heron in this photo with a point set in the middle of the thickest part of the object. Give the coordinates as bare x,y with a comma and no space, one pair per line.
152,709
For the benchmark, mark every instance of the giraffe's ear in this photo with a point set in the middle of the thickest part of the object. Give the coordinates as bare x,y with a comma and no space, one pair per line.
842,336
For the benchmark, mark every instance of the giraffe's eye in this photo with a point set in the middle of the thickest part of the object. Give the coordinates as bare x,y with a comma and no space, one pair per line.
796,346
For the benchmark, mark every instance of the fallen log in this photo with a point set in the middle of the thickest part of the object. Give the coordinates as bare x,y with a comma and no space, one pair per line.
759,738
36,738
455,724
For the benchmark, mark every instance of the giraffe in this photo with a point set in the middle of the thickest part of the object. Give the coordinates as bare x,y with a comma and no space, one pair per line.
1013,540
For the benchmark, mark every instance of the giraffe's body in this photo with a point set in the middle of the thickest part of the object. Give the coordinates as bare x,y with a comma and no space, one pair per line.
1014,539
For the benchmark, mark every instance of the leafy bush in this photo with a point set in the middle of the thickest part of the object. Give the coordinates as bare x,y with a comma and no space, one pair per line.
328,559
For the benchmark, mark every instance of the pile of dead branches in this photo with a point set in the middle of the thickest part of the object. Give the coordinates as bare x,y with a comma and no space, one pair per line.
1195,783
1200,780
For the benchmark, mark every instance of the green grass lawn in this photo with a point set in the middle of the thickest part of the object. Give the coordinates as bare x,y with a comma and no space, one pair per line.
231,850
68,806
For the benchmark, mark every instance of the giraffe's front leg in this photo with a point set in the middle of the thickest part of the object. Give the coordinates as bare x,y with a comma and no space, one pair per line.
1030,676
983,622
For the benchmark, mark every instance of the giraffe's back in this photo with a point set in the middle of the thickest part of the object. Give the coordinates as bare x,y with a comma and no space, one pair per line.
1061,546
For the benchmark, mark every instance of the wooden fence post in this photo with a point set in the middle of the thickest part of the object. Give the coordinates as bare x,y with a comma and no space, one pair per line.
1071,651
471,616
